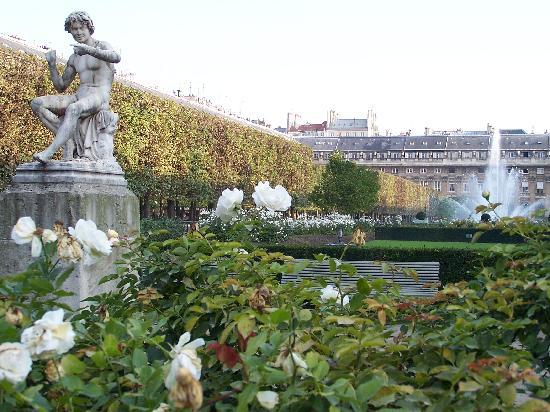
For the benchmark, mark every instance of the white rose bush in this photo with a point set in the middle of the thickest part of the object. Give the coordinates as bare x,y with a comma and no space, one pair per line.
199,324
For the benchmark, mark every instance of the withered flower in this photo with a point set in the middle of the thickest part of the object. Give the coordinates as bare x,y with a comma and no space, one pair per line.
358,237
54,371
14,316
68,248
187,391
103,313
146,295
260,298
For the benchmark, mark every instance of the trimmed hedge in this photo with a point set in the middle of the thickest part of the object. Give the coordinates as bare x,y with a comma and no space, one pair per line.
441,234
455,264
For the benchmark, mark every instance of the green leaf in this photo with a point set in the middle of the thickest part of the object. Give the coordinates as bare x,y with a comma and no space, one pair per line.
305,315
110,345
349,269
99,359
469,386
280,315
72,383
191,322
92,390
363,286
508,394
139,358
321,370
332,264
41,285
246,396
63,277
378,284
72,365
245,325
255,342
356,302
367,390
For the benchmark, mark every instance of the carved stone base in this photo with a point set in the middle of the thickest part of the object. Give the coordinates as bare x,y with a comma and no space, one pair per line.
68,191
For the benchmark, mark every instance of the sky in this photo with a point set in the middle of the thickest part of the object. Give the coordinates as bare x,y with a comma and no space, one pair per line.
442,64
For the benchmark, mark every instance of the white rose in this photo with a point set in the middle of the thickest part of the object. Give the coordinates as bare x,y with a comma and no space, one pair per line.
228,203
330,292
25,231
185,356
49,335
15,362
268,399
276,199
94,242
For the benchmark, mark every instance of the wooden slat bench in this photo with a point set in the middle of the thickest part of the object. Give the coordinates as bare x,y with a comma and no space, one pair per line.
427,272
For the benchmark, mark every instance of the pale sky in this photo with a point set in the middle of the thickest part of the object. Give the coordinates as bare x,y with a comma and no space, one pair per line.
444,64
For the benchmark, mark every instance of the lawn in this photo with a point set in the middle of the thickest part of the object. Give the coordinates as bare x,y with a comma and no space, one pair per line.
404,244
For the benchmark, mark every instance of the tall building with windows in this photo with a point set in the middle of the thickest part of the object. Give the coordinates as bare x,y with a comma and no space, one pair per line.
444,160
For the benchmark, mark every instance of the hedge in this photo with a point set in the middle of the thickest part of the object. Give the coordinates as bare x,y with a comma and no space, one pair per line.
441,234
154,134
455,264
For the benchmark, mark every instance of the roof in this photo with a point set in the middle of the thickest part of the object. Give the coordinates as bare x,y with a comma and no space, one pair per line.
349,124
310,127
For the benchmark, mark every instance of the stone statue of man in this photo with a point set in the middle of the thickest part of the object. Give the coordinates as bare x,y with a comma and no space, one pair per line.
82,122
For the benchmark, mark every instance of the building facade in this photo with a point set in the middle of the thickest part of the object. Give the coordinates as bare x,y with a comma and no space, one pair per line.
444,161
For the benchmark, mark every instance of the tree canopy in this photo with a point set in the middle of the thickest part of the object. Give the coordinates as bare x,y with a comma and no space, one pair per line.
346,187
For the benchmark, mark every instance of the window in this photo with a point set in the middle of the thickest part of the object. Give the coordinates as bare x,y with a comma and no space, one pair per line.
540,170
451,187
452,170
483,155
540,188
525,187
410,170
424,183
396,155
437,185
524,171
395,170
524,154
465,188
423,170
480,170
512,155
437,170
315,155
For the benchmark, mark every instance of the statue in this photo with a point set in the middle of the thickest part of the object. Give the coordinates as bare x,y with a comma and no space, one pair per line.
82,122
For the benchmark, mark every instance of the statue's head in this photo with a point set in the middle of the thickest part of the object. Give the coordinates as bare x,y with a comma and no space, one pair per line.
79,17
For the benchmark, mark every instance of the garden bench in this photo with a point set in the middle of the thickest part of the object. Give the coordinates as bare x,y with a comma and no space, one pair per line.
427,272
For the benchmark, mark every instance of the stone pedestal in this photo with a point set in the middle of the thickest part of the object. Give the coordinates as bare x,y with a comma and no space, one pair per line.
68,191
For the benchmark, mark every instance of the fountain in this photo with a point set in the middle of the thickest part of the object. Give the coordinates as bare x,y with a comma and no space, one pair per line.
503,185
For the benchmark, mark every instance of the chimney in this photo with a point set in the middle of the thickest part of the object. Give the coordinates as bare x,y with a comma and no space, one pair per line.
426,131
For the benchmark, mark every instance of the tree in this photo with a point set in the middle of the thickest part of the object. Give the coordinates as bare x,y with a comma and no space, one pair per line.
346,187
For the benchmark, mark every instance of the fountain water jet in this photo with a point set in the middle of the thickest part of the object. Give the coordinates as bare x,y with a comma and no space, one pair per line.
504,187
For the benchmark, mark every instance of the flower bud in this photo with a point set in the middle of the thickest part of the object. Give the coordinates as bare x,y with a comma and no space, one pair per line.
486,194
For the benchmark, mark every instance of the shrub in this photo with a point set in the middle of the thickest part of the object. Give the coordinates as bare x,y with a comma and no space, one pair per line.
474,346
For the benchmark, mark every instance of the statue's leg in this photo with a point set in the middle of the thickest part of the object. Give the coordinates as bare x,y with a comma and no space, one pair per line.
49,108
84,107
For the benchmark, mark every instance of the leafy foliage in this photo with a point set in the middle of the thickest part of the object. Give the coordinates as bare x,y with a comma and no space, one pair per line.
346,187
476,345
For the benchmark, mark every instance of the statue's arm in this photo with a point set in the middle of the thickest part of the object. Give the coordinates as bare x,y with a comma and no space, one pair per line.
62,82
104,52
